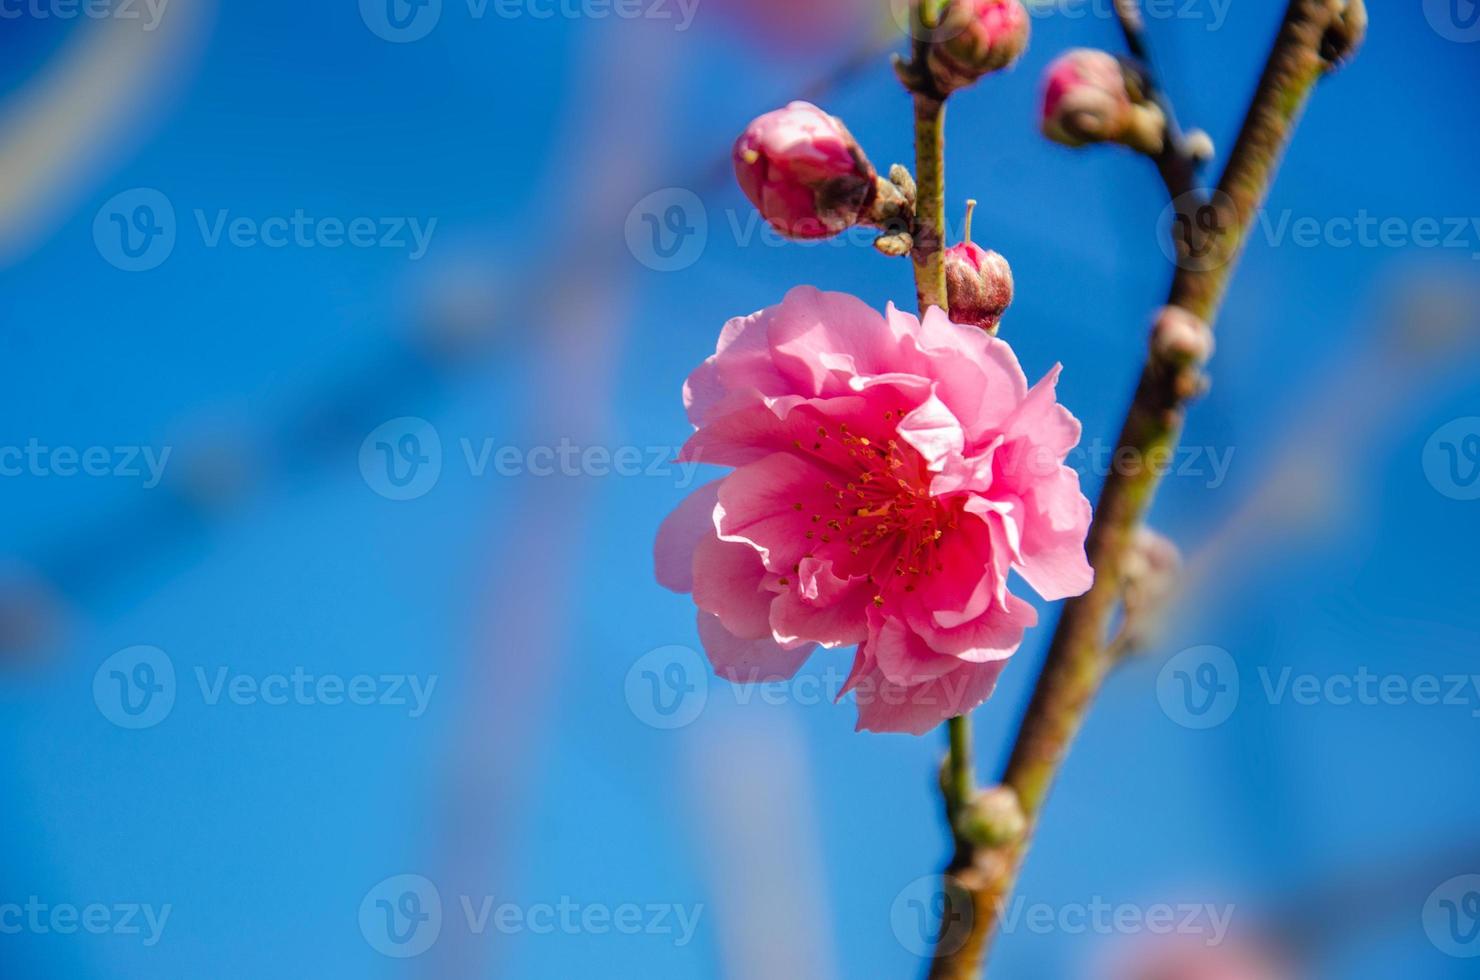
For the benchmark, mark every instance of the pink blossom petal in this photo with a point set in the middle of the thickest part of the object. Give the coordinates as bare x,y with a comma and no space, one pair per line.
727,582
820,341
1054,562
977,375
775,426
934,432
769,503
739,373
884,706
994,635
748,661
1041,420
680,533
902,657
822,606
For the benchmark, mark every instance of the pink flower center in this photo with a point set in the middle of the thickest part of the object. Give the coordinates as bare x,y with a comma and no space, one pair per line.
884,523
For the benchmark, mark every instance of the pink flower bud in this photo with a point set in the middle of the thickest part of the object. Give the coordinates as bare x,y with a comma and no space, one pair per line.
1089,99
804,172
978,282
976,37
978,285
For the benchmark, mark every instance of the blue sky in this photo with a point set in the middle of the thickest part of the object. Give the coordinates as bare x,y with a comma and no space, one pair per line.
272,547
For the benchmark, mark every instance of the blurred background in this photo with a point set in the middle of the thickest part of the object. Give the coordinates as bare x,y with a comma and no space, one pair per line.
340,360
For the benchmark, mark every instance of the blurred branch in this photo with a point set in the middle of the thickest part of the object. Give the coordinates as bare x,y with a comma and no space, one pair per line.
440,353
104,87
1177,162
1315,35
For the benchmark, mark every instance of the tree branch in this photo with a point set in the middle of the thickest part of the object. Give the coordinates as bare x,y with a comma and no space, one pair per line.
1315,35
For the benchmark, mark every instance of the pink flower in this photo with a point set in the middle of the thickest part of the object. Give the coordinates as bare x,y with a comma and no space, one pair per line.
976,37
888,474
804,172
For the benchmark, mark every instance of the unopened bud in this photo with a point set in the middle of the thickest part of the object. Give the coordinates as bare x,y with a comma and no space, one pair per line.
1150,570
804,172
993,818
1198,146
975,38
1178,335
978,282
1089,98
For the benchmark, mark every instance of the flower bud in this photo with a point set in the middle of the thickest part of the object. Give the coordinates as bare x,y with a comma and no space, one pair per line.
1178,335
994,818
804,172
978,282
976,37
1152,570
978,285
1089,98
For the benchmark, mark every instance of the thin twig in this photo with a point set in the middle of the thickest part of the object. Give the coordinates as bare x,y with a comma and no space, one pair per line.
1176,163
1315,33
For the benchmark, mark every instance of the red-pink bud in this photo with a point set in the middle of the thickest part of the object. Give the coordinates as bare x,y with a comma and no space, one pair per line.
976,37
978,282
978,285
804,172
1088,98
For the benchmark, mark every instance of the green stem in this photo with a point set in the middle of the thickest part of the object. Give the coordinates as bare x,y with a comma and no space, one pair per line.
930,201
959,782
